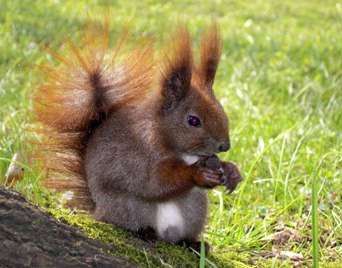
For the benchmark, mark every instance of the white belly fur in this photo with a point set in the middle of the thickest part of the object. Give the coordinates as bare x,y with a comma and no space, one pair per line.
169,215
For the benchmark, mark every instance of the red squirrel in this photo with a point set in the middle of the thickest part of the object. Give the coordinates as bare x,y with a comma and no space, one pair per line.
130,134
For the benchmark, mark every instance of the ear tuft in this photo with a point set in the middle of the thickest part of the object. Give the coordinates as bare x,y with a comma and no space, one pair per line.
177,68
210,51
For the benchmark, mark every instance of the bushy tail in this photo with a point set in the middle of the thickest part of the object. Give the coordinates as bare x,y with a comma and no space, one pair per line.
77,93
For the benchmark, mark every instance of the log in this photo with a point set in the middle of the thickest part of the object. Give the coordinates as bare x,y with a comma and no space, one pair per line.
30,237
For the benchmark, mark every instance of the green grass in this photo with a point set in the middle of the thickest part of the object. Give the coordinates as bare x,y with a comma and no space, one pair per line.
280,81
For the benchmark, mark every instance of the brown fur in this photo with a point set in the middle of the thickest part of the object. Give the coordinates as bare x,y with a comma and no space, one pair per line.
120,129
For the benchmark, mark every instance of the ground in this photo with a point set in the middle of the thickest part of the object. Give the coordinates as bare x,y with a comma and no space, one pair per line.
280,83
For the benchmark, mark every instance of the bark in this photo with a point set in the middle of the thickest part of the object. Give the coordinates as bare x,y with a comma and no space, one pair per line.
30,237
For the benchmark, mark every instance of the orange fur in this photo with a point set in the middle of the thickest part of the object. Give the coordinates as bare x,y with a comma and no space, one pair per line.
71,101
85,86
210,52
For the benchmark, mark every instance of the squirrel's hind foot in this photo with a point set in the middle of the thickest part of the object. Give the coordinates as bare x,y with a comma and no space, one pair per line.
147,234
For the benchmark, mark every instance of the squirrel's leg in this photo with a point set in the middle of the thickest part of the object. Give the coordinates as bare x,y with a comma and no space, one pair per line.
124,211
182,218
174,220
147,234
195,208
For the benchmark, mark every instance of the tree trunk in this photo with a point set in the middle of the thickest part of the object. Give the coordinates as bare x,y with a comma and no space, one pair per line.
30,237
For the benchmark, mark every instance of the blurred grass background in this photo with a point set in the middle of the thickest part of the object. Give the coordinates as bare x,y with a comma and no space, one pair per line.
280,81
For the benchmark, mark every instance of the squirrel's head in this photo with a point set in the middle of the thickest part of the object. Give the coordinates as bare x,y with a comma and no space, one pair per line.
192,120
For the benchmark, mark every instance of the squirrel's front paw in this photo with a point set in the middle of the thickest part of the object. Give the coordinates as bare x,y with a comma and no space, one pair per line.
206,177
231,176
230,173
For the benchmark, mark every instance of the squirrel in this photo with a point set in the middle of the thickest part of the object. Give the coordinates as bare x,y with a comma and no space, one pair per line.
130,134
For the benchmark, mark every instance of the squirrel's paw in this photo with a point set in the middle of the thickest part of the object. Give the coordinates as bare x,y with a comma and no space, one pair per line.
231,176
147,234
206,177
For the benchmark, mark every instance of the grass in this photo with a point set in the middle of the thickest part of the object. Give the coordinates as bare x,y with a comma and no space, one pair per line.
314,223
280,81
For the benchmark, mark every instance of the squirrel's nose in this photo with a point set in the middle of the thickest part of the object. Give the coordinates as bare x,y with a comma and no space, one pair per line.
224,146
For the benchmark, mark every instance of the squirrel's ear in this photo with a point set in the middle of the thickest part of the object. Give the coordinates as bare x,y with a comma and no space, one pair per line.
177,68
210,51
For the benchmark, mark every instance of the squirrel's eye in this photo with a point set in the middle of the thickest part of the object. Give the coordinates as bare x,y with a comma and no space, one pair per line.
194,121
